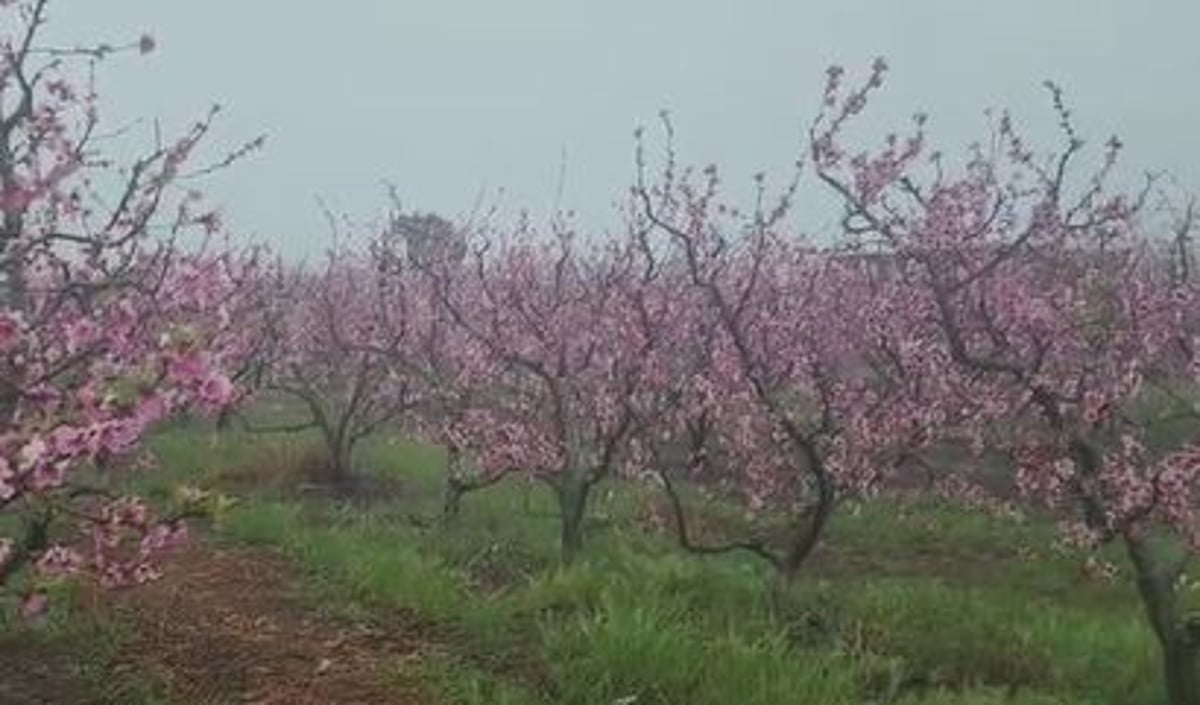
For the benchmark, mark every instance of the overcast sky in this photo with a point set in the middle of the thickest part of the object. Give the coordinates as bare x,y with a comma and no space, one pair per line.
447,98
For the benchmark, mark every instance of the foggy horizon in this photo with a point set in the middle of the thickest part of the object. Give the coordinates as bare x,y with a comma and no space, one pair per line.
452,100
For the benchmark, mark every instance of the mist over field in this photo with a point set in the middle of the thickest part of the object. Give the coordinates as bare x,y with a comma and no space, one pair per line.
452,99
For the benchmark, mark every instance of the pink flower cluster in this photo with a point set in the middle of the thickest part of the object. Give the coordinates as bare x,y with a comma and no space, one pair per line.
106,326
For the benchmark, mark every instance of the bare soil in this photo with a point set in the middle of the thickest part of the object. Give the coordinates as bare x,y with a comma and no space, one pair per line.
226,625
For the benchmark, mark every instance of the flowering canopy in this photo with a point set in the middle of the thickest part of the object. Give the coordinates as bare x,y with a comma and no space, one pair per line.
115,312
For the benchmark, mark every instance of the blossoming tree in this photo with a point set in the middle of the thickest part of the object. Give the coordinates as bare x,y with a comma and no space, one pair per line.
329,336
548,360
793,381
1073,323
111,313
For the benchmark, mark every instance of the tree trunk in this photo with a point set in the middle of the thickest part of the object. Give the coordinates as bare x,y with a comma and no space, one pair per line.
572,501
35,538
12,288
12,275
1178,637
341,464
809,528
787,567
455,486
1179,665
452,499
778,587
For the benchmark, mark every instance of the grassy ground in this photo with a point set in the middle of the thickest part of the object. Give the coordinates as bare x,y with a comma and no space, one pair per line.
912,601
72,658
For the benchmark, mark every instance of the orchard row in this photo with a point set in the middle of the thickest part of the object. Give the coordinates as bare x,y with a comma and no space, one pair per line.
1006,306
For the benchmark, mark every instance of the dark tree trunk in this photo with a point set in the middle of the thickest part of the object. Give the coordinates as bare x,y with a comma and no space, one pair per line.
340,464
804,539
460,483
35,538
452,499
807,534
1179,665
809,527
572,500
456,487
1178,637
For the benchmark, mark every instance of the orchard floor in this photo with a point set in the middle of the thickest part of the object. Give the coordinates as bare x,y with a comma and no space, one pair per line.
225,625
293,597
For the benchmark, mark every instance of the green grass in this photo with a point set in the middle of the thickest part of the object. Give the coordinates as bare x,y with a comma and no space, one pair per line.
915,602
462,682
953,636
650,648
364,561
69,656
931,604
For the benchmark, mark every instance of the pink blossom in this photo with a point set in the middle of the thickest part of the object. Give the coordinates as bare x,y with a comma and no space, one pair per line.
187,368
116,329
150,409
80,334
10,331
34,452
58,561
8,489
69,441
216,391
33,605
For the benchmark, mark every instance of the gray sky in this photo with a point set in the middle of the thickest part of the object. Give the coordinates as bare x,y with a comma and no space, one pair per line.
450,97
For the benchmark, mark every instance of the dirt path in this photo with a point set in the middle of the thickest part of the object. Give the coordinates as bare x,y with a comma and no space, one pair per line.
225,625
